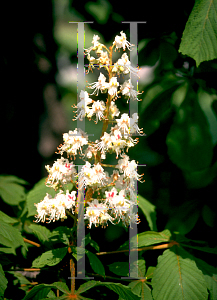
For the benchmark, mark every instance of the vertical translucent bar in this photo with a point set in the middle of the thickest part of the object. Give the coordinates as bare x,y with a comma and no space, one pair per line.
80,125
133,255
80,228
134,64
80,68
133,231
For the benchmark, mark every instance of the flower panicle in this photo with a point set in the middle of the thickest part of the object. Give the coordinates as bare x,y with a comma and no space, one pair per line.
109,197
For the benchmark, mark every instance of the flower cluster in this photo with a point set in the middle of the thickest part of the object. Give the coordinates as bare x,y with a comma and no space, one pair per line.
109,197
53,209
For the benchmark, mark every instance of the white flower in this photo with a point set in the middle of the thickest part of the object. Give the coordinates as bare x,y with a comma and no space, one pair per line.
124,65
114,111
96,213
98,108
91,176
124,123
117,141
128,125
105,144
53,209
101,84
121,41
73,141
60,173
127,90
103,59
83,109
129,168
133,126
95,43
113,85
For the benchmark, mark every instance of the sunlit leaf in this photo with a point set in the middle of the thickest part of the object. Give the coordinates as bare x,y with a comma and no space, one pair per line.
50,258
199,39
178,277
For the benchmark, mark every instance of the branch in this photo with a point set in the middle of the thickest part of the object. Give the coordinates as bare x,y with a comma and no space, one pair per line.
31,242
163,246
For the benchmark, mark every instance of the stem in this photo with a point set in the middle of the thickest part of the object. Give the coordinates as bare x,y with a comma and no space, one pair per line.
31,242
72,271
163,246
108,103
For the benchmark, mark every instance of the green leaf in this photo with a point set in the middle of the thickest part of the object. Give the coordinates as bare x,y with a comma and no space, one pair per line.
151,237
11,190
120,268
12,178
37,194
50,258
204,249
95,263
62,287
86,286
150,272
178,277
41,232
141,289
208,215
100,10
78,252
51,294
123,291
199,39
38,292
148,210
22,279
3,282
210,275
184,217
94,245
61,234
189,141
10,236
147,238
5,218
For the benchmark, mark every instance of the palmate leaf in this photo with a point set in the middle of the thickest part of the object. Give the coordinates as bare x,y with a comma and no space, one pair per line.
139,287
122,290
42,291
210,275
178,277
199,39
